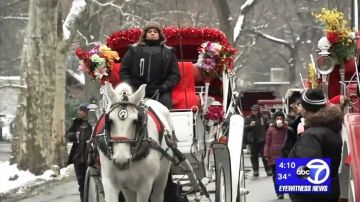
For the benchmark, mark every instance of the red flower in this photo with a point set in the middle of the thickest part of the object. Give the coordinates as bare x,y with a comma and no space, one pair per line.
81,54
332,37
215,113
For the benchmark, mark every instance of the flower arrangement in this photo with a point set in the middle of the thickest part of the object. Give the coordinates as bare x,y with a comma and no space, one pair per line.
215,58
312,77
215,113
337,33
98,61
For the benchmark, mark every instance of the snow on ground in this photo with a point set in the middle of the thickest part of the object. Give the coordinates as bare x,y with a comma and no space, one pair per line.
6,124
25,178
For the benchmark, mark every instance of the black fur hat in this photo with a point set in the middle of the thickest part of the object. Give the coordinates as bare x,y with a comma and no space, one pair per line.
313,100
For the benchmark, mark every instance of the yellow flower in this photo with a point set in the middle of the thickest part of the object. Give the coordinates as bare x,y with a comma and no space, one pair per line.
312,76
333,21
108,53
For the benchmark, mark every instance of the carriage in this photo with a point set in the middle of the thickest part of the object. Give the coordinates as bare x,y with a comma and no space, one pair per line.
337,74
211,145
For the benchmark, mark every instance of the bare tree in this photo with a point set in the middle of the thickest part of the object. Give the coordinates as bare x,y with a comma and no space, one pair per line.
268,36
230,27
39,134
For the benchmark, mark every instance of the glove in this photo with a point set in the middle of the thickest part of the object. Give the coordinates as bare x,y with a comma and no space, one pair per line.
162,89
150,90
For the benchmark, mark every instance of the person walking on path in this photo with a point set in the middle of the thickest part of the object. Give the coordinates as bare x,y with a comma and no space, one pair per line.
275,138
79,132
255,128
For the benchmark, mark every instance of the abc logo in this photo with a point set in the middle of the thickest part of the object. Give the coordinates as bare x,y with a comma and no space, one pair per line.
303,172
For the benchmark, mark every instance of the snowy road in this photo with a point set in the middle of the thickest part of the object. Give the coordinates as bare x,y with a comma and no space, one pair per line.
67,191
261,190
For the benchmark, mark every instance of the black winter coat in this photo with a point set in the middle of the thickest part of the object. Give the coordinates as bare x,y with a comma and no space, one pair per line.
78,152
289,142
256,133
321,139
154,65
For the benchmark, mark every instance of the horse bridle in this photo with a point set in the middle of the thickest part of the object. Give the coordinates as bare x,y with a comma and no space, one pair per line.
123,114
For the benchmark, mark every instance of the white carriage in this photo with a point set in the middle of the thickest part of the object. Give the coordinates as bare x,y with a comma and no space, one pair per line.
212,147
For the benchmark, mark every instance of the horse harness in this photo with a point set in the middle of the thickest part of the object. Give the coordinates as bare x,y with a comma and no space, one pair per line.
141,144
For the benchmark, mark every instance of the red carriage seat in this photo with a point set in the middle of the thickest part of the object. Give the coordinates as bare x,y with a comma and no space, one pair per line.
183,94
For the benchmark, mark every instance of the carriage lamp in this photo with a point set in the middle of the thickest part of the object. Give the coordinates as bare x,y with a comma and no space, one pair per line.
92,117
324,62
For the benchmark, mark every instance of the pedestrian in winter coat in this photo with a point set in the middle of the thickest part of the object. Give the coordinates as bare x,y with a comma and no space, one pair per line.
79,132
153,63
292,133
255,127
275,138
321,139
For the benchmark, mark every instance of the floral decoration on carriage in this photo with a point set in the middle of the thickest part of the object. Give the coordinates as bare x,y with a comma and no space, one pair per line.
214,114
215,58
97,62
339,35
313,82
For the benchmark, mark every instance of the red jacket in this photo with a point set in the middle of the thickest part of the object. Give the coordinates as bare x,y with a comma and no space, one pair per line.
275,138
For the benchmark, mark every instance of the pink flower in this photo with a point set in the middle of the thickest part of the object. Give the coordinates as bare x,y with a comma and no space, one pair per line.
82,67
95,50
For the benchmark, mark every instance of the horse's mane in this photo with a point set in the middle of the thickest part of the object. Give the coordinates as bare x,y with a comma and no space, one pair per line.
119,89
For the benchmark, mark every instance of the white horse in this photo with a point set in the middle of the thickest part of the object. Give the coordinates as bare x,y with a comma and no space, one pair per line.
139,180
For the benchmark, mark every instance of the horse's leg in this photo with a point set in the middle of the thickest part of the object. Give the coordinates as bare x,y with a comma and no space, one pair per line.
111,191
160,182
144,191
129,195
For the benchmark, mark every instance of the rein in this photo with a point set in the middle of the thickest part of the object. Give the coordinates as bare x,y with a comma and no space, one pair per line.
139,147
141,144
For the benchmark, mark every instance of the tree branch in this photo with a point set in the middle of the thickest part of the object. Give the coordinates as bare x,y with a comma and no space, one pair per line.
244,9
77,8
120,8
225,18
15,18
85,38
270,38
13,86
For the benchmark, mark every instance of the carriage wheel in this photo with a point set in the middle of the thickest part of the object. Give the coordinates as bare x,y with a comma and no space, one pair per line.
222,187
92,190
242,196
223,173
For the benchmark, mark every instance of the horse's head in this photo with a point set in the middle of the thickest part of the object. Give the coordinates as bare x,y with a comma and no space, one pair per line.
123,115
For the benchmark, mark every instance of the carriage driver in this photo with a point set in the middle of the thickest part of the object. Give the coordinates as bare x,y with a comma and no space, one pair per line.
153,63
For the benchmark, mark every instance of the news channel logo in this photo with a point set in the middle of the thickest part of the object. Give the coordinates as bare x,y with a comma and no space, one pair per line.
316,171
303,175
